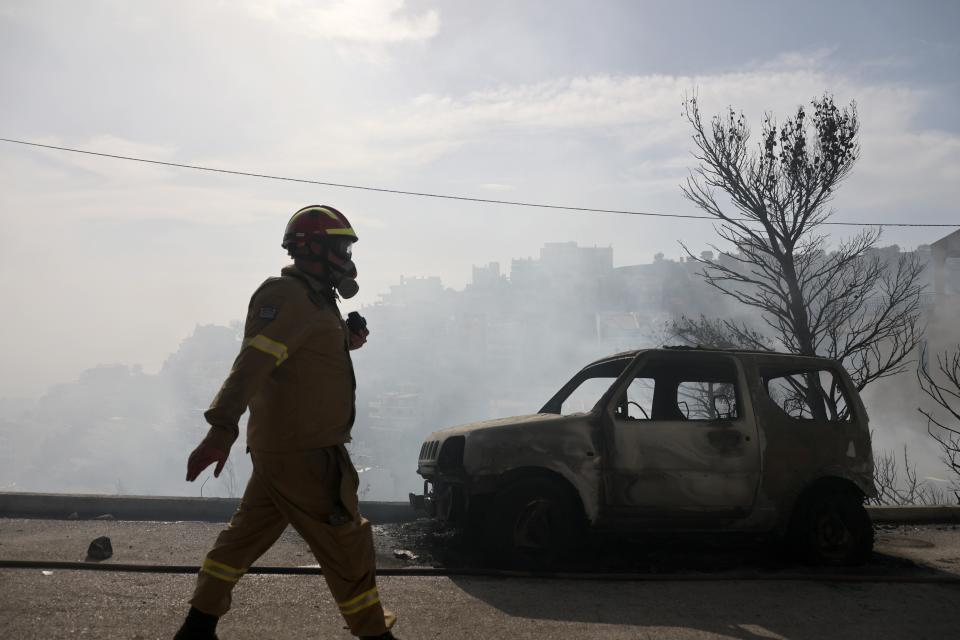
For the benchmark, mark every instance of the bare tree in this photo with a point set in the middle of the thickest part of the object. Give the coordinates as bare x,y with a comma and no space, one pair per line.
714,332
892,490
846,304
944,425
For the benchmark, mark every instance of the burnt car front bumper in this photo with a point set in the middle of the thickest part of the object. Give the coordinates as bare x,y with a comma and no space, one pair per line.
446,501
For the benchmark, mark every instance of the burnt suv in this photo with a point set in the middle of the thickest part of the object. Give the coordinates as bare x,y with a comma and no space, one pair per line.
672,439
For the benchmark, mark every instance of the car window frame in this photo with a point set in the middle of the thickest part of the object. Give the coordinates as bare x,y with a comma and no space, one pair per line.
855,410
555,403
741,383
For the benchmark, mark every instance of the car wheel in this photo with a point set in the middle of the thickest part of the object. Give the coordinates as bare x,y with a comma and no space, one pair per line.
535,520
835,529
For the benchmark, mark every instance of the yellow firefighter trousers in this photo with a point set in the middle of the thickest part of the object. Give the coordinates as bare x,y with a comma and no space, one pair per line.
315,491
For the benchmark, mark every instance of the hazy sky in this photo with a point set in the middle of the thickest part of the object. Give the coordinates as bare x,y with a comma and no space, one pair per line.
561,102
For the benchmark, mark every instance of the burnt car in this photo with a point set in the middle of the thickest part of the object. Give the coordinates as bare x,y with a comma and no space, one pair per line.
671,439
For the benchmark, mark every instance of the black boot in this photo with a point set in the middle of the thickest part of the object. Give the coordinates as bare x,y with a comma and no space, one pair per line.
387,635
198,626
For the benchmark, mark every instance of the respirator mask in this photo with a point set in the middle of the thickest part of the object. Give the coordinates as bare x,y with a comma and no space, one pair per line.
343,272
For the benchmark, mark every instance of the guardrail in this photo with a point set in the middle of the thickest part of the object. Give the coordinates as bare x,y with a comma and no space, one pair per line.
59,506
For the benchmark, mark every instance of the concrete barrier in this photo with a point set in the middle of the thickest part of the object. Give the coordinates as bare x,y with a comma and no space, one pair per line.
62,506
938,514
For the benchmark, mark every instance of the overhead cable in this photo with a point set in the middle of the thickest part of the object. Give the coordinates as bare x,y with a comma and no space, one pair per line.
422,194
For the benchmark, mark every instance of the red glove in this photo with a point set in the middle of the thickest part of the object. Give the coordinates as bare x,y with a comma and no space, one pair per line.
202,457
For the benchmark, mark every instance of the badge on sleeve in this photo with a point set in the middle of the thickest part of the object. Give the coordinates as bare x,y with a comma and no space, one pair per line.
268,313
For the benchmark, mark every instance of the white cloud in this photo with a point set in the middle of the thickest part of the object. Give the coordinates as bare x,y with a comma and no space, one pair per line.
641,115
632,122
70,186
496,186
639,111
365,22
621,132
101,169
796,60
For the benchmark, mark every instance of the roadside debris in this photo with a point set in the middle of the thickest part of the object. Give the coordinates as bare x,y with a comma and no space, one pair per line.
47,573
100,549
405,554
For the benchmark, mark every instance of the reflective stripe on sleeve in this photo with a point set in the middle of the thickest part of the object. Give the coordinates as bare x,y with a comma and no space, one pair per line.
361,602
261,342
221,571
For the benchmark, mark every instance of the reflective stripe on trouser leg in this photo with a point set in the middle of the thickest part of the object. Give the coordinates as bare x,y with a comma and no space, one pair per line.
364,600
346,554
252,530
306,488
215,583
221,571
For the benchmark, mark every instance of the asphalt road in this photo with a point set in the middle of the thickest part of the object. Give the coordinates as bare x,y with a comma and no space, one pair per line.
900,550
78,604
100,605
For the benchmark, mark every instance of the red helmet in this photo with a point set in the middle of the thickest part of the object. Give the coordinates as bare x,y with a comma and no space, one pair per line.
323,225
316,223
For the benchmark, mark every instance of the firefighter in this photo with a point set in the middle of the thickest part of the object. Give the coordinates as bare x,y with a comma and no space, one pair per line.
295,374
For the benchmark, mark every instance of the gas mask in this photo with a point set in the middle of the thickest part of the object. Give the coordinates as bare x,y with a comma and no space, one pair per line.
343,272
347,287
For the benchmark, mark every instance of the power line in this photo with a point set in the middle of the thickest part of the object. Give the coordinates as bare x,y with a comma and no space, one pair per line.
422,194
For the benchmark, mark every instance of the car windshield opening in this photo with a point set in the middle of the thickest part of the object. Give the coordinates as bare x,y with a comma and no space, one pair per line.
585,389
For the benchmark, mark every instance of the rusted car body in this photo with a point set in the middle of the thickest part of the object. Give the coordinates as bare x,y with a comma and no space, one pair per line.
667,439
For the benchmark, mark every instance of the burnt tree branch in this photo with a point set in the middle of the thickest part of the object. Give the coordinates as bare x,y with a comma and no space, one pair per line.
846,303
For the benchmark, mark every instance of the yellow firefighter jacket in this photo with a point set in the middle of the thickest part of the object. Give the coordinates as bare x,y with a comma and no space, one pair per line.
293,371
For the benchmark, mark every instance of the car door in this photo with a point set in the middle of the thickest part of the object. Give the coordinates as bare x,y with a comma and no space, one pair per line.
681,439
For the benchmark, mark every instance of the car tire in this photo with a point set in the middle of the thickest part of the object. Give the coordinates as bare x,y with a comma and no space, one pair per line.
535,520
833,528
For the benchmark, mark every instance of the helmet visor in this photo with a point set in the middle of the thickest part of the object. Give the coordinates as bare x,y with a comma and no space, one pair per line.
342,248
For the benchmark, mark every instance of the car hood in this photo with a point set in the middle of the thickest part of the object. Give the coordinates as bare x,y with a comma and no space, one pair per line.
494,424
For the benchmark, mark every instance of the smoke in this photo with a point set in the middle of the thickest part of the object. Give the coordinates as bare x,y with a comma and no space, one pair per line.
436,357
119,430
893,405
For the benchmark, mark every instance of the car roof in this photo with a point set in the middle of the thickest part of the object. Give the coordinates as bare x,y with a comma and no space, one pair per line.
773,355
